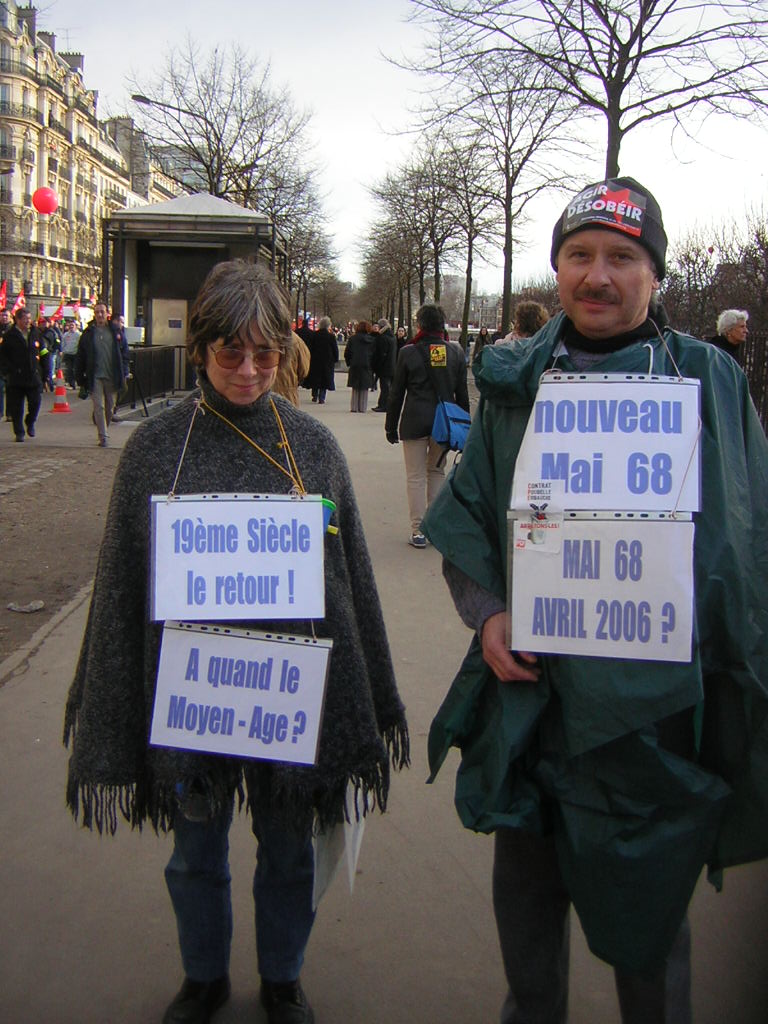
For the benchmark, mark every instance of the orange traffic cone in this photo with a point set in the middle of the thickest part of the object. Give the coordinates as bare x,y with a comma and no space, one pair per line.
60,403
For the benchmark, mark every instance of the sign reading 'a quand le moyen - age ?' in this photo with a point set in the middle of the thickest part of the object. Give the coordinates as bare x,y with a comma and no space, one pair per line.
605,588
238,692
613,442
236,556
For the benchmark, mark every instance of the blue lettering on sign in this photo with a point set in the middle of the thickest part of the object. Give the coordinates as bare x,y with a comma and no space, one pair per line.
558,616
199,718
580,475
203,538
250,675
581,560
604,416
267,726
266,536
242,589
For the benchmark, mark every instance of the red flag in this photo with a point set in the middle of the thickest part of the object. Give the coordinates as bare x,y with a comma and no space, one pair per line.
75,307
3,292
58,315
40,312
93,299
20,302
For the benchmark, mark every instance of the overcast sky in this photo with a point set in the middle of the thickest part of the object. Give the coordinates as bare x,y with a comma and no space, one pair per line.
329,54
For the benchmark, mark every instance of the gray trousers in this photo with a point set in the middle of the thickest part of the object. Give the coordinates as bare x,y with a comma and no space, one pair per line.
532,909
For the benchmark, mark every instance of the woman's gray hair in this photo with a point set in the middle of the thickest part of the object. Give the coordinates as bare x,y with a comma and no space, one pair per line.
233,296
729,318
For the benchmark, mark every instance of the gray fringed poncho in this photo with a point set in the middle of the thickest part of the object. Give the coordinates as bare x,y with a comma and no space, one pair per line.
112,769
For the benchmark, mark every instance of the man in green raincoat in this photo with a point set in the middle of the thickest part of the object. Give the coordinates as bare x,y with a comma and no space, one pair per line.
609,781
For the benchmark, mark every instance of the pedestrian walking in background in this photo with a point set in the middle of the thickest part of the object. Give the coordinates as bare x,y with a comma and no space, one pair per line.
291,372
482,339
412,405
102,367
322,366
233,436
527,318
5,323
24,362
69,344
732,332
358,355
385,359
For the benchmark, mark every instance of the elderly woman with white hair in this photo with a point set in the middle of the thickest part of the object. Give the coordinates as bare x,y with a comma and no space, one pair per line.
732,333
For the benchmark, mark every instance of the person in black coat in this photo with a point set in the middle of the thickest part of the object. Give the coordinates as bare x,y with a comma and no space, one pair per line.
413,394
386,357
324,356
24,362
359,355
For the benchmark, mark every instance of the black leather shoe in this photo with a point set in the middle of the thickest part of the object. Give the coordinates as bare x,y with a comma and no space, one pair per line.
197,1001
285,1003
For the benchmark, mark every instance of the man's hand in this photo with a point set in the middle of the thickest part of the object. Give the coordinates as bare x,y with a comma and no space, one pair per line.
393,438
500,659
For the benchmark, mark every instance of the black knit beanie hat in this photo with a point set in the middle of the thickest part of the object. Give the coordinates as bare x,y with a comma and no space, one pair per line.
621,204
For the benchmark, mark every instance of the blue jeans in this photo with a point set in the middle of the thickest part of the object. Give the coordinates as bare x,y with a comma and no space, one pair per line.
198,881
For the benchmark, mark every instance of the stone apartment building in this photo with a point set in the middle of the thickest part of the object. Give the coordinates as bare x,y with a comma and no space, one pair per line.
50,136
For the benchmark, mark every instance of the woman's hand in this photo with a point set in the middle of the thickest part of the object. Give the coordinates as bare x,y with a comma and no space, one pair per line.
506,666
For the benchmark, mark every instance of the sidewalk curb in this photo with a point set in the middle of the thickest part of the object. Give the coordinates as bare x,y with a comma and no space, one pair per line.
20,658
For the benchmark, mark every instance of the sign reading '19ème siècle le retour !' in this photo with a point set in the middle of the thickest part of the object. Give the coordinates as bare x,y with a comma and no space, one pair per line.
235,556
601,532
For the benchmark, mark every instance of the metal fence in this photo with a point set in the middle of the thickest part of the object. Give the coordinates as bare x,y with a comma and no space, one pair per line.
157,372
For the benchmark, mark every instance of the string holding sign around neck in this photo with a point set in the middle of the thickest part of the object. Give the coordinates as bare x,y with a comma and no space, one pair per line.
293,470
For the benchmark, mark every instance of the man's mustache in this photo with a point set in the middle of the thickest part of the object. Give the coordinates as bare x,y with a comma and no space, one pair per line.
597,294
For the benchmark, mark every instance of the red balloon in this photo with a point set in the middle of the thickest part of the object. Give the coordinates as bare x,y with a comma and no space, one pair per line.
45,200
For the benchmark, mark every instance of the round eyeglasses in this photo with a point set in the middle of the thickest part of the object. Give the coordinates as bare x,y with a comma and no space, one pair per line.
230,357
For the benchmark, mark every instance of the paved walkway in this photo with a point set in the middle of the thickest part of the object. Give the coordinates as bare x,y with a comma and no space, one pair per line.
86,931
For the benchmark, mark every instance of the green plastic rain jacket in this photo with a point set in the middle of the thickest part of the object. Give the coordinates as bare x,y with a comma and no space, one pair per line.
579,751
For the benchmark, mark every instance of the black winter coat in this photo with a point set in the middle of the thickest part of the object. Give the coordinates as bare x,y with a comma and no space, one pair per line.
24,364
358,355
386,355
413,393
85,361
324,354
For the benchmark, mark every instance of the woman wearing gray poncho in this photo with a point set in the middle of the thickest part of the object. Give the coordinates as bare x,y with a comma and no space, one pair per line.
239,331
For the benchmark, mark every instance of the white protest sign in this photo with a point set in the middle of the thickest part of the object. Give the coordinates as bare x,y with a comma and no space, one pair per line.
239,692
606,588
237,556
614,442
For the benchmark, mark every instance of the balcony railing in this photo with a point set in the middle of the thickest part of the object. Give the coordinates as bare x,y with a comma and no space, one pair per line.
19,110
59,127
12,243
7,152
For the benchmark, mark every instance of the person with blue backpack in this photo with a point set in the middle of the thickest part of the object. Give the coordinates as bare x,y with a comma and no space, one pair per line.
429,373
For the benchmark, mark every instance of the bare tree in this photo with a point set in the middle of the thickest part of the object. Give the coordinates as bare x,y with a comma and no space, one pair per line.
525,132
217,123
399,196
629,61
478,215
